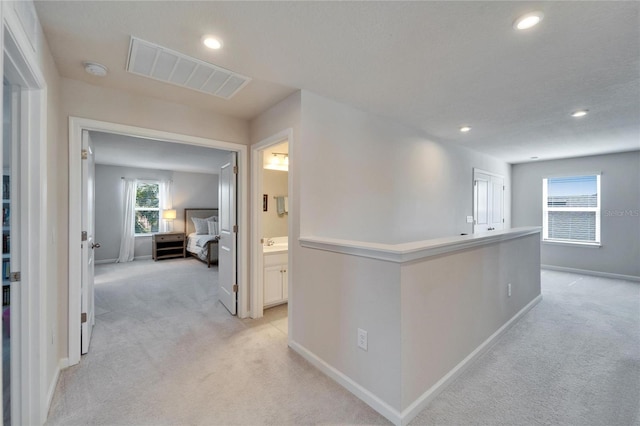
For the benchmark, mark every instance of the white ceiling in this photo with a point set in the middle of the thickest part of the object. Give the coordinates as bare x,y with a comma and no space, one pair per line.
118,150
430,65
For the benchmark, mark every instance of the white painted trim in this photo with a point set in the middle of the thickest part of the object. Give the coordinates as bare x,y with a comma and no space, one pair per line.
345,381
592,273
257,304
62,364
423,400
76,125
29,398
407,252
409,413
145,257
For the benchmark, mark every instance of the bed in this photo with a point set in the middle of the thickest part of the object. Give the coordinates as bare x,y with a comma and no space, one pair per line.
203,244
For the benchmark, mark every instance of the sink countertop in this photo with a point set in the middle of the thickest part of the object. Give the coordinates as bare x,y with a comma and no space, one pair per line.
276,248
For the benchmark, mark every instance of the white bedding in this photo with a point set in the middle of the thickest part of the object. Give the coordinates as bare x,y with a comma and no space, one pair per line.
197,244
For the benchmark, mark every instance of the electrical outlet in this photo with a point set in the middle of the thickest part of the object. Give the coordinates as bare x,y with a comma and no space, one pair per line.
469,219
362,339
509,289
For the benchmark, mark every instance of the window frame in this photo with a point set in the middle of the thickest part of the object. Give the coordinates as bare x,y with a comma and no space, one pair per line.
136,209
546,209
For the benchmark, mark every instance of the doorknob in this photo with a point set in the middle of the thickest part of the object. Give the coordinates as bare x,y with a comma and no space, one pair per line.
95,245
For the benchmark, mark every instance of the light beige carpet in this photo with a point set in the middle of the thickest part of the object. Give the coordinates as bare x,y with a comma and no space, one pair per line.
165,352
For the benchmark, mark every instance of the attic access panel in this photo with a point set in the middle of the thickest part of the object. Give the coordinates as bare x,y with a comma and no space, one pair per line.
162,64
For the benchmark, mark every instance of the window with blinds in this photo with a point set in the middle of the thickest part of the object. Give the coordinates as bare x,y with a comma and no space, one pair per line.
147,209
571,209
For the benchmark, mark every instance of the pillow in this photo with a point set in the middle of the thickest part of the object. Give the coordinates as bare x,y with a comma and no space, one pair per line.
200,225
213,227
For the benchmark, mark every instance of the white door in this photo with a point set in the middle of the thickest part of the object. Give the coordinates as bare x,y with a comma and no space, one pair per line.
488,202
227,267
88,243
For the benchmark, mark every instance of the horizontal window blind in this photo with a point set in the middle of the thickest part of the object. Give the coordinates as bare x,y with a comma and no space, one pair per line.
571,208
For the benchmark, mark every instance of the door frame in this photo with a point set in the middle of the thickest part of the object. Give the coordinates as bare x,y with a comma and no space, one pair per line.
30,399
473,194
76,125
257,264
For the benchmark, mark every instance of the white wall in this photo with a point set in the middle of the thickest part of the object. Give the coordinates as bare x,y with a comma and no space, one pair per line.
190,190
367,178
274,183
620,225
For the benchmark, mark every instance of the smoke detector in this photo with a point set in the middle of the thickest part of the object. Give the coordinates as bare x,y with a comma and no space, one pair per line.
95,68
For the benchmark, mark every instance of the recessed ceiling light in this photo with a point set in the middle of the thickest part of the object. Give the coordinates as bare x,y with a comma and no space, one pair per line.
465,129
528,20
580,113
211,42
95,68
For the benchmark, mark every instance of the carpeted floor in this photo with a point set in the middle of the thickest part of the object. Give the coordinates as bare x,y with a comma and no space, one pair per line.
165,352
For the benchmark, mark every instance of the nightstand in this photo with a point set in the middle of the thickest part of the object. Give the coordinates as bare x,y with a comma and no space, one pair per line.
167,245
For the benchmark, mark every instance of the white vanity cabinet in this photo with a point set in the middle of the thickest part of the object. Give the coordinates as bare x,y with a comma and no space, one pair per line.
275,278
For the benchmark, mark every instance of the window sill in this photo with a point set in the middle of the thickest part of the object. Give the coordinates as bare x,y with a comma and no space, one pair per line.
572,244
143,235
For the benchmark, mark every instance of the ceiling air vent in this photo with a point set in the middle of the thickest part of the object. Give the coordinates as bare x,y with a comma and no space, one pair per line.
157,62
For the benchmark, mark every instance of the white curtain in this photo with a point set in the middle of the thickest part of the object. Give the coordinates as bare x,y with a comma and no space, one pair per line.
127,238
166,200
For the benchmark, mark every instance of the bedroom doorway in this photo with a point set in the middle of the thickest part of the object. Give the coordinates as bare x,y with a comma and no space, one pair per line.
272,227
77,125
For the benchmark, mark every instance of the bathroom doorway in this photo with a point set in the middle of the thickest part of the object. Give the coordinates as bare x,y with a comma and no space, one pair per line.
271,190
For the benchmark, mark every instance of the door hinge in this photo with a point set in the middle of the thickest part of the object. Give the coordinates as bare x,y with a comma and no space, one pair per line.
14,277
235,288
83,317
83,237
85,154
235,170
235,228
503,187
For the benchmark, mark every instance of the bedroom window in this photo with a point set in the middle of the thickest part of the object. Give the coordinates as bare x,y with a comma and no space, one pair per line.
147,209
571,209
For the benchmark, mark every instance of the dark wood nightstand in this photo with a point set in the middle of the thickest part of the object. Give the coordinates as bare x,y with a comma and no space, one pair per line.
167,245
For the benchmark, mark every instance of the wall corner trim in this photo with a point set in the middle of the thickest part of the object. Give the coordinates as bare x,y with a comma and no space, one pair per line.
62,364
423,400
591,273
355,388
395,417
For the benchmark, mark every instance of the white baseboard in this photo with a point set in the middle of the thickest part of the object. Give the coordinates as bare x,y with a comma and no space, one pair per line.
100,262
592,273
395,417
147,257
62,364
358,390
419,404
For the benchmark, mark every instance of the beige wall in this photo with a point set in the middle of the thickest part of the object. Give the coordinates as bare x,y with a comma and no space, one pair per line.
451,304
380,181
55,143
274,183
79,99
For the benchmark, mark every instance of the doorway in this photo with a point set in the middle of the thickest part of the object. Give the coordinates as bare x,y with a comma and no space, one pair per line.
77,125
488,201
25,229
272,231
